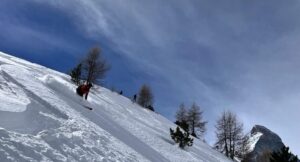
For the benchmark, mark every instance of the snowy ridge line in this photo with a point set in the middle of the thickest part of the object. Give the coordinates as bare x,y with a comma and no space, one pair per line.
37,98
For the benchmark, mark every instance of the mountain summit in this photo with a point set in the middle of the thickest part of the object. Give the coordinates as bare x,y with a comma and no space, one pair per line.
267,141
262,142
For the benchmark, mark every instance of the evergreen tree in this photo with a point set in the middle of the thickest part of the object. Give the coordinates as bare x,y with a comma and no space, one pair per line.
195,120
76,74
283,155
182,138
145,97
150,107
183,124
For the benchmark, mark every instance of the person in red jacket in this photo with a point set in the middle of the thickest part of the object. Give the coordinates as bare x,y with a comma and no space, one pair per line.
84,89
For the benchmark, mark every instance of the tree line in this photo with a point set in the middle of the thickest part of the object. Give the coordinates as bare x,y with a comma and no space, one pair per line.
230,139
92,69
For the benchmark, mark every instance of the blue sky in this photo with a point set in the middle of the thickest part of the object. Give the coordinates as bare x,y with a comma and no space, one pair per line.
234,55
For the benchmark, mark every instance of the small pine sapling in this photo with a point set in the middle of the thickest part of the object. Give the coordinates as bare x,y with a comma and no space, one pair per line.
76,74
283,155
182,138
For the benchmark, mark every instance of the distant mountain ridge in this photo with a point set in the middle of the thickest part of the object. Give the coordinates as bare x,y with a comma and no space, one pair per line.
268,141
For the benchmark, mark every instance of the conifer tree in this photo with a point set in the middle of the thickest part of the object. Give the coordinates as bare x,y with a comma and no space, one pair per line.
283,155
182,138
76,74
150,107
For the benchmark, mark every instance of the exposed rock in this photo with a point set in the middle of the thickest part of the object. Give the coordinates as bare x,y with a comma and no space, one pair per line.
267,143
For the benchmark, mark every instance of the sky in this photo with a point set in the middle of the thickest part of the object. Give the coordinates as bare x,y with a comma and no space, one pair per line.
237,55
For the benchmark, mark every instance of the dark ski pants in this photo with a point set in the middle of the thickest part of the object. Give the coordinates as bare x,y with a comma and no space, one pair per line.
79,92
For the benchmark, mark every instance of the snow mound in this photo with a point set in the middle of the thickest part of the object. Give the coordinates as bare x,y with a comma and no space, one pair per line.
43,119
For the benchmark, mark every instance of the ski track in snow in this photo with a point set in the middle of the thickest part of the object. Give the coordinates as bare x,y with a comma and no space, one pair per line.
49,123
114,129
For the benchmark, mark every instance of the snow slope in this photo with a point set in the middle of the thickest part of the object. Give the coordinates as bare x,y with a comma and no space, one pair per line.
42,119
253,139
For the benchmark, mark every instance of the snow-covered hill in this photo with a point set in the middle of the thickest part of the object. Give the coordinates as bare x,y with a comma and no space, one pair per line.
42,119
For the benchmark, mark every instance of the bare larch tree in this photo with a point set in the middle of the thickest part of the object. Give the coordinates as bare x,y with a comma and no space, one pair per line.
181,114
145,96
196,122
94,66
229,132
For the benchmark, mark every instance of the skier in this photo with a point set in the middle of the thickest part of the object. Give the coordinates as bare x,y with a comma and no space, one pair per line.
121,92
134,98
84,89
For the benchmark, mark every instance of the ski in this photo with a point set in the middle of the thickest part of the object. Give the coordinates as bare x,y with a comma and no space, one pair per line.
87,107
